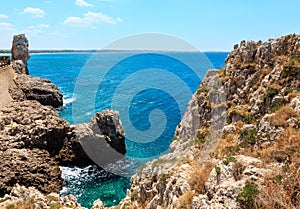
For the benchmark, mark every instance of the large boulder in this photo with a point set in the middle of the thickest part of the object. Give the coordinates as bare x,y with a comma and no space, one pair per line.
102,140
35,88
19,51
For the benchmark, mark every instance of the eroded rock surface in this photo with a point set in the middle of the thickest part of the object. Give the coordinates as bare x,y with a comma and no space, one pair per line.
35,88
20,53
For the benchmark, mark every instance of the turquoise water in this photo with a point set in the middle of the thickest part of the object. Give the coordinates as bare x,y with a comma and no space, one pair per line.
117,80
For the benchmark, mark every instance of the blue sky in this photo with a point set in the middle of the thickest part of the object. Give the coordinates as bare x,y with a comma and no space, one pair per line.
91,24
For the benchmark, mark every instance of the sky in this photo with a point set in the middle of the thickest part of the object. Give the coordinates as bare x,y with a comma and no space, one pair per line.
210,25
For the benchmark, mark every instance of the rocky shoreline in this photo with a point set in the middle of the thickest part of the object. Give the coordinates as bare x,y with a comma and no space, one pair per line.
237,146
35,141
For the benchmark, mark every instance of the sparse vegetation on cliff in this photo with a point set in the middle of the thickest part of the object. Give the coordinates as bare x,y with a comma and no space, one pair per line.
258,150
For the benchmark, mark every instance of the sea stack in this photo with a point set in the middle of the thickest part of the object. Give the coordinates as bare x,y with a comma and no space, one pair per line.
20,53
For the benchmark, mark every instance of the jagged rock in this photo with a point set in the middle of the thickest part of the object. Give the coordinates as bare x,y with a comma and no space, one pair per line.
35,88
103,140
28,124
108,124
19,51
29,168
263,53
19,67
30,197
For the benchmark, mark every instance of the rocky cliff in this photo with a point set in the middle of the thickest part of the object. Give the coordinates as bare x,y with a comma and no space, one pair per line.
35,141
238,144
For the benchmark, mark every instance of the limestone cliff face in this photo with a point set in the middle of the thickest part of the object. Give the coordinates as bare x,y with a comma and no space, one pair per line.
240,132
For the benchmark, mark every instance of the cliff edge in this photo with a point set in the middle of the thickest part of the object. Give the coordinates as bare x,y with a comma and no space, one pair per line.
238,144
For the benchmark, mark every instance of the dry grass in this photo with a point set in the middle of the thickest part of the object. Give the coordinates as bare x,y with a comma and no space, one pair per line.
199,176
27,204
279,119
263,73
228,140
185,200
281,191
238,170
275,86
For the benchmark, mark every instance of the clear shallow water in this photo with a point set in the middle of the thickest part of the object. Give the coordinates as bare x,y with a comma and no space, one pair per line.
89,184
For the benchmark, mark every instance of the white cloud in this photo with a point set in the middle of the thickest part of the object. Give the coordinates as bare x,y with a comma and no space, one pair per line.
83,3
3,16
35,12
5,26
89,19
43,26
35,30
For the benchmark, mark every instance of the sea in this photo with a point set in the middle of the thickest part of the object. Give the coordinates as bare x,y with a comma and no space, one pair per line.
151,90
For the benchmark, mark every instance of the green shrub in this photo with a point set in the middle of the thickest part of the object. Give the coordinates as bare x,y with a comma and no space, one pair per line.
277,179
134,196
200,138
248,137
163,178
272,92
228,160
247,196
10,207
55,206
290,71
218,170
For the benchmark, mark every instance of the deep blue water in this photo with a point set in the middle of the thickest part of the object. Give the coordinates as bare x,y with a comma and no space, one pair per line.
150,90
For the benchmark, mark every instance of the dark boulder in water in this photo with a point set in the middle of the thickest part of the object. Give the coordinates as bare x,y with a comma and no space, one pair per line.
102,140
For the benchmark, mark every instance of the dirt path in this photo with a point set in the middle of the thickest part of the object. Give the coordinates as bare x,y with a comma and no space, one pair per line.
6,80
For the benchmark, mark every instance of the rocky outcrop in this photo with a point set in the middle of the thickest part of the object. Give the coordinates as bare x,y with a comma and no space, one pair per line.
20,53
103,140
35,88
37,141
31,135
28,124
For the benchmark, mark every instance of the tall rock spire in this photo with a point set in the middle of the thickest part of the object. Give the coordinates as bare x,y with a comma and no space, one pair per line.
20,53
